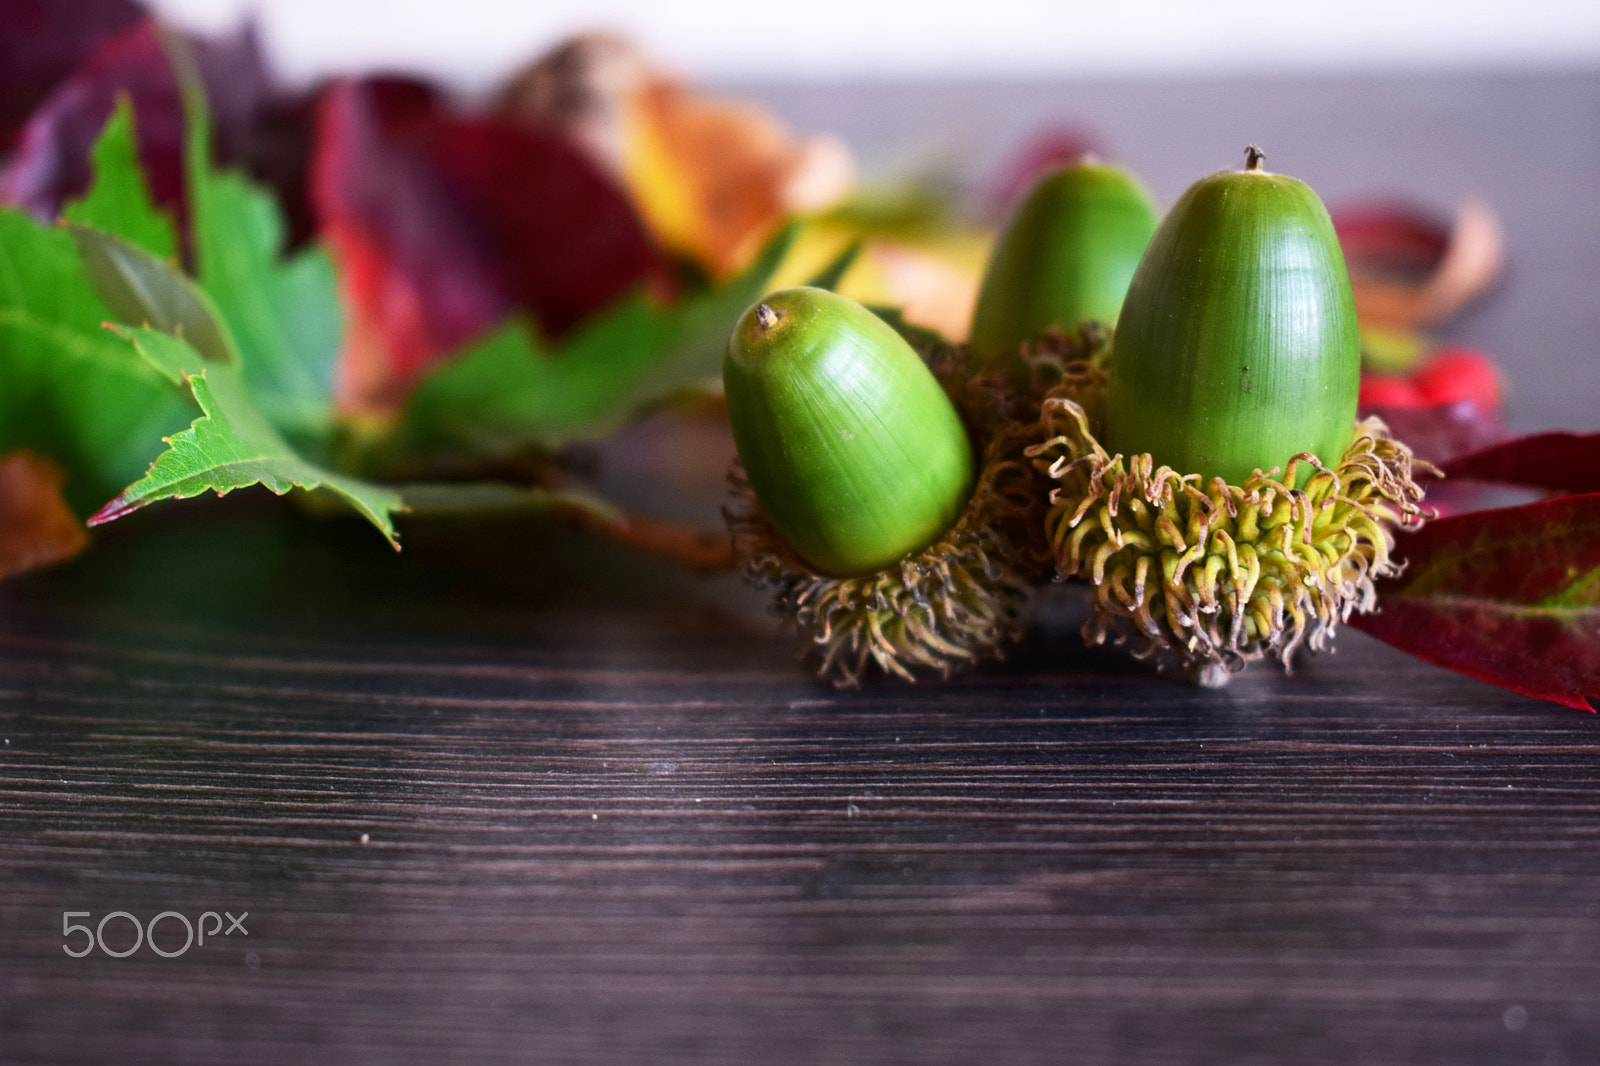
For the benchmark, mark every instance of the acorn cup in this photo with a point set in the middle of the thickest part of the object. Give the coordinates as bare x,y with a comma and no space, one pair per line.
1235,509
1065,256
897,530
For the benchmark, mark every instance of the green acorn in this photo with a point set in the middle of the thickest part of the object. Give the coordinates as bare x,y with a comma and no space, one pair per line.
854,450
865,505
1235,509
1065,256
1237,347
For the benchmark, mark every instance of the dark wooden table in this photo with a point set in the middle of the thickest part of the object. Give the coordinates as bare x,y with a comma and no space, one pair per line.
511,795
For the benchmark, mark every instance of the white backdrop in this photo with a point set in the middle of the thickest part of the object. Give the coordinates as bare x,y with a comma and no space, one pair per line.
473,42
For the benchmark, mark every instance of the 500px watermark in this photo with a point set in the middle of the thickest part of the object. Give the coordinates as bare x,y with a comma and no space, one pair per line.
146,933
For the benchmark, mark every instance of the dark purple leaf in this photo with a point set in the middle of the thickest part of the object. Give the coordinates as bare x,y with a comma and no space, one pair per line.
51,164
277,153
45,41
1560,463
1509,596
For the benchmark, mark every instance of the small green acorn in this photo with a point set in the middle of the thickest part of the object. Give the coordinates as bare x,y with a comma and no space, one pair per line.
1237,347
1065,255
1235,509
854,450
864,504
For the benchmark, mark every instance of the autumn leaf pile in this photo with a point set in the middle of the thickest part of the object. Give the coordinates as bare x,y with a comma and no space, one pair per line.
381,295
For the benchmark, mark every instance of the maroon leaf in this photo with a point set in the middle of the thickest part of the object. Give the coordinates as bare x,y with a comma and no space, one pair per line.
1509,596
565,237
46,40
1440,432
444,223
1391,239
1562,463
1409,270
51,164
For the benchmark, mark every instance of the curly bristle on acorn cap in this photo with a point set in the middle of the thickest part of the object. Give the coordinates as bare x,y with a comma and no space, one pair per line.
1216,575
960,600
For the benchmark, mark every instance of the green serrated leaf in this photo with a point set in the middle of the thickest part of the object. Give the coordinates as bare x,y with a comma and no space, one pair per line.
510,392
284,313
119,200
142,290
69,389
233,445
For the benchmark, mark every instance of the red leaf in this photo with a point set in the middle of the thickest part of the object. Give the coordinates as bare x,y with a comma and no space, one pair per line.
1449,376
1509,596
1565,463
37,528
1452,375
51,164
444,224
1389,390
44,41
1446,407
416,276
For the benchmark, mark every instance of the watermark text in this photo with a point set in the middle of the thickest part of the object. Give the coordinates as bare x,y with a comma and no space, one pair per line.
81,938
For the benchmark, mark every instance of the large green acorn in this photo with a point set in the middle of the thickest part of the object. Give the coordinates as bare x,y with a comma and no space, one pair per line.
865,504
1237,346
1234,509
1065,256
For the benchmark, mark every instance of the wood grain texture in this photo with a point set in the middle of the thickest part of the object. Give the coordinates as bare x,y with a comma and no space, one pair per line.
607,819
607,828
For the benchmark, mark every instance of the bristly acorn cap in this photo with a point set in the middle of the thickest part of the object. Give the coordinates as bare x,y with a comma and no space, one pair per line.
1211,575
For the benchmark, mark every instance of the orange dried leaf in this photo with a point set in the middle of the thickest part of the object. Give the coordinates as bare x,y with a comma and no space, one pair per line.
713,178
37,528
